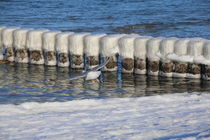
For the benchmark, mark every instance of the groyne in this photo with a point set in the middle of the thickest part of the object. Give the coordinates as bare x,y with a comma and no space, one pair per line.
158,56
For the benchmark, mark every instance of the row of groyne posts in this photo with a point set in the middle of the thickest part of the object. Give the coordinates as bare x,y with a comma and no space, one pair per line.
168,57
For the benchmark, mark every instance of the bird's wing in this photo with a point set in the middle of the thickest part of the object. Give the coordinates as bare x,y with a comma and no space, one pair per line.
74,77
100,66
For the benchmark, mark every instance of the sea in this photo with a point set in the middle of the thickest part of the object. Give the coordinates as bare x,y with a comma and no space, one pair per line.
116,106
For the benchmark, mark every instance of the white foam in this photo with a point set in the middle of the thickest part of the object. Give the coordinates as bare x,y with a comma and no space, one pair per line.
108,43
49,40
126,46
171,116
153,48
92,44
34,39
140,46
76,43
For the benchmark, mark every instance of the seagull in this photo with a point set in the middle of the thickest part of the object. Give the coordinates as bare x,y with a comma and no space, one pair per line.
90,74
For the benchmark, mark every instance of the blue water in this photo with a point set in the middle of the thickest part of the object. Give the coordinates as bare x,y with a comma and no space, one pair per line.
179,18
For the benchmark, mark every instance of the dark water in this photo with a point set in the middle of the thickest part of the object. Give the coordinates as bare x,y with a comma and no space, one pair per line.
25,83
179,18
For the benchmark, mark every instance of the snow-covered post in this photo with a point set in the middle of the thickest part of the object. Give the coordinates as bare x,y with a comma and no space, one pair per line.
180,58
166,48
126,51
205,61
91,49
49,48
195,49
140,52
152,58
21,52
76,50
109,49
61,46
7,39
34,45
1,44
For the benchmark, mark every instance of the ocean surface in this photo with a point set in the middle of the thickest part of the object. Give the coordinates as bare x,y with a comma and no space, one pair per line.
117,106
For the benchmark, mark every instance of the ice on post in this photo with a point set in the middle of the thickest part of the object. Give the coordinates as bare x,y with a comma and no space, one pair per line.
34,45
153,45
49,48
1,44
180,58
195,49
7,40
76,50
126,51
204,60
20,37
61,46
166,48
109,49
91,49
140,52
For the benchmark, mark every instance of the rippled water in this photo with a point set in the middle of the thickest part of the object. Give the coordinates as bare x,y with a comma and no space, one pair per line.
180,18
25,83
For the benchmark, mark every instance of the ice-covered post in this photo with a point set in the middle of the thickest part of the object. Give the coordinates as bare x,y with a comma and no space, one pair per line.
7,38
195,49
61,46
140,52
166,48
21,52
152,58
76,50
109,44
34,45
49,48
91,49
205,61
1,44
126,51
180,58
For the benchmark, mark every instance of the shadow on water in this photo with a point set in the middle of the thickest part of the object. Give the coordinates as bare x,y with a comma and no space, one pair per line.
26,83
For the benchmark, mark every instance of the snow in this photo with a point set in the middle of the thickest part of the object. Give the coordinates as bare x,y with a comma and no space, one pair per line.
171,116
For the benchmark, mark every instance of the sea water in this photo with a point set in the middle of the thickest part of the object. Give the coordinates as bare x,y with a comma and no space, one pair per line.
117,106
